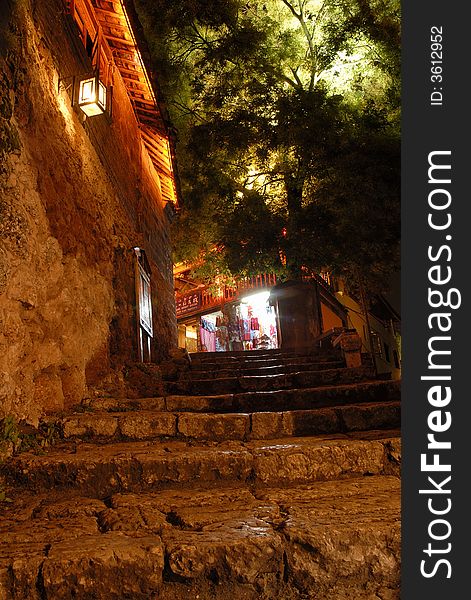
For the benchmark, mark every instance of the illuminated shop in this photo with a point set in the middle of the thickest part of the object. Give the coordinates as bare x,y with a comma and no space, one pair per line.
249,323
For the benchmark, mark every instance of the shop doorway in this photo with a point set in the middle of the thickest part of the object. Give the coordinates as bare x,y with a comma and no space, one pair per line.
249,324
188,336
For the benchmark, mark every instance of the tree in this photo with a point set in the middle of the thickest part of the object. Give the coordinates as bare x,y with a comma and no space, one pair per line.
288,120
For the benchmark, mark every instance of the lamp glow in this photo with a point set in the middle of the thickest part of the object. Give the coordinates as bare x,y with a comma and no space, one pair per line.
92,96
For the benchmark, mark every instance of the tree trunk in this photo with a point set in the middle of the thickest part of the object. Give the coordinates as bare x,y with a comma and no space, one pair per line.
294,194
299,314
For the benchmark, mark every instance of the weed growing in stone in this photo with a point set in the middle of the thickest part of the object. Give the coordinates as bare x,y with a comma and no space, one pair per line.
19,437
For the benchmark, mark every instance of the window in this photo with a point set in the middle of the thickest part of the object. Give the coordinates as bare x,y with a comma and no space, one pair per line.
145,302
396,360
377,346
145,330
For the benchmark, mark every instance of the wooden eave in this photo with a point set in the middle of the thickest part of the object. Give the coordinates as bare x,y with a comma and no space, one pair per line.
121,37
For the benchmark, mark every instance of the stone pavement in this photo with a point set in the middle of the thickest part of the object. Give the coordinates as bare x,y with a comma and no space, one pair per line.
254,476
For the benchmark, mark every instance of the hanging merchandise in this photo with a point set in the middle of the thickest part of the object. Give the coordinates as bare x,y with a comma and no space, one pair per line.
254,324
208,340
256,319
249,325
244,325
208,335
222,339
231,320
216,338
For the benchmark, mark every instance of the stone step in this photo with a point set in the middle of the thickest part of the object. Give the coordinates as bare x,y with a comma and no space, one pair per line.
276,369
254,383
261,354
335,539
236,354
147,425
101,470
234,362
290,399
248,402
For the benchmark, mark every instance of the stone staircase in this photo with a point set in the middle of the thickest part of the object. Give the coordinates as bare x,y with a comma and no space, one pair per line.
262,475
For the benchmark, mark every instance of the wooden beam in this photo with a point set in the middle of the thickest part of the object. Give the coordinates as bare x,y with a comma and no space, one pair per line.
128,55
118,40
159,146
145,101
150,111
158,158
137,92
120,61
152,122
113,13
166,182
106,21
116,5
115,30
135,98
131,80
155,159
157,164
130,71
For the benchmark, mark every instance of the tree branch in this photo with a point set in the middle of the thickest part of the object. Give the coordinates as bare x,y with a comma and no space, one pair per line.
308,35
291,8
296,76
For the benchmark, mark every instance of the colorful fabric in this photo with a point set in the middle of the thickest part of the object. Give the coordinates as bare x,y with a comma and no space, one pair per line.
254,325
208,339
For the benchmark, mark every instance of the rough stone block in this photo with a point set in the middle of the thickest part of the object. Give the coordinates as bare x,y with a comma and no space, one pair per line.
215,386
310,422
266,425
354,558
393,453
303,461
377,416
241,552
265,382
109,566
214,426
266,401
75,507
133,512
144,380
144,425
24,571
73,385
120,404
90,425
202,465
48,391
200,403
342,537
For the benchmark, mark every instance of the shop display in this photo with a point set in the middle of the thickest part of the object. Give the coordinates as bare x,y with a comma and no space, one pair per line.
208,334
248,325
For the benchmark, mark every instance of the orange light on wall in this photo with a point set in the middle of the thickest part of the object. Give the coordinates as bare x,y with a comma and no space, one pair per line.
92,96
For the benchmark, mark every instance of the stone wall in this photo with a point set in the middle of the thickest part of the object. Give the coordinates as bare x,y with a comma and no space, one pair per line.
75,198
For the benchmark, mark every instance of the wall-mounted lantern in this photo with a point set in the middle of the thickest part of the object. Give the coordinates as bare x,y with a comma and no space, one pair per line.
92,96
